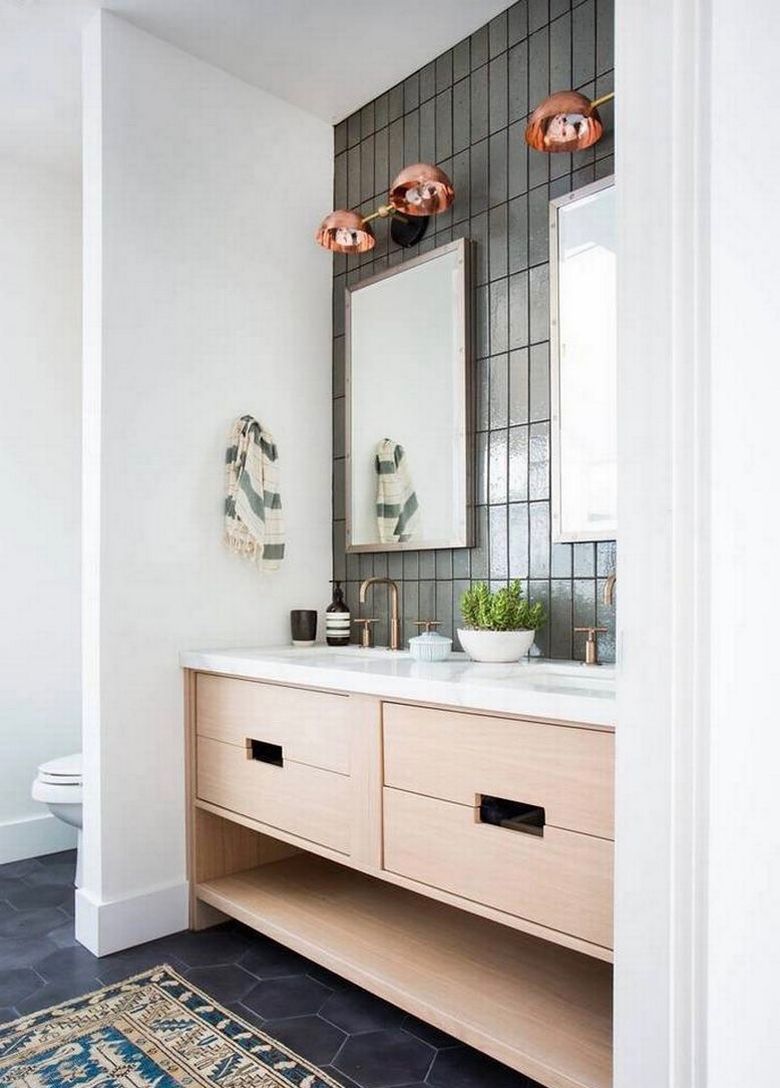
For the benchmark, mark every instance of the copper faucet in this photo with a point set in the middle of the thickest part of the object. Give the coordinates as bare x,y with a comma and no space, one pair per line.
395,623
591,645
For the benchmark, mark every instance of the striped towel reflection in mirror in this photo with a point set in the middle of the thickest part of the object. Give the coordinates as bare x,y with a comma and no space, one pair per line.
397,509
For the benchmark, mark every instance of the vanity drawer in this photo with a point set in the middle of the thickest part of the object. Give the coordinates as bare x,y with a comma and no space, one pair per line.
302,800
457,756
561,879
312,727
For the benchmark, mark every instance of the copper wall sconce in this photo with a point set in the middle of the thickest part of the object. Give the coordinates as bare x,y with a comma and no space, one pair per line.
418,192
566,121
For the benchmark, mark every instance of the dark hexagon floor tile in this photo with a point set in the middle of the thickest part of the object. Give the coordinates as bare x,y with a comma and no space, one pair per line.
208,948
339,1077
67,963
309,1036
278,998
385,1059
428,1033
249,1015
63,936
23,951
8,885
27,897
355,1010
58,858
17,984
462,1067
226,983
15,869
328,978
54,993
267,959
132,961
31,923
59,872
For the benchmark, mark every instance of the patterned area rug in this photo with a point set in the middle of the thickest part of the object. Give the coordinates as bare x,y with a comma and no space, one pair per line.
151,1031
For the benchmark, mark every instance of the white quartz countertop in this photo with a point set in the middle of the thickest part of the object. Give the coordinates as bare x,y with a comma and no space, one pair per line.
554,690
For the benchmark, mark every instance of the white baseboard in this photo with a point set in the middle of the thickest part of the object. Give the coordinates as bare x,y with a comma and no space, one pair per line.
106,927
32,836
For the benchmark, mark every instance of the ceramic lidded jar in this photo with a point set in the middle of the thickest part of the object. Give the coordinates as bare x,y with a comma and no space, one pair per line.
430,645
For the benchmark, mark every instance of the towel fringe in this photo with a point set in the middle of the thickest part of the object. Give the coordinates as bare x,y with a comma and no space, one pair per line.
254,527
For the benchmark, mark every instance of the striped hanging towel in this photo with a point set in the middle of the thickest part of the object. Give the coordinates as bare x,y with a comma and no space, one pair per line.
397,512
253,506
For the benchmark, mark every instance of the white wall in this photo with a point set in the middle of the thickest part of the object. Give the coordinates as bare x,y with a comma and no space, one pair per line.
40,382
205,298
744,782
698,747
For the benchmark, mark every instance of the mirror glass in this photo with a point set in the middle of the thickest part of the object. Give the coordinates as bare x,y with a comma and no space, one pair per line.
408,480
583,342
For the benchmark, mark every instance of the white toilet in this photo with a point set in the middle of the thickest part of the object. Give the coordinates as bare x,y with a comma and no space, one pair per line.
58,785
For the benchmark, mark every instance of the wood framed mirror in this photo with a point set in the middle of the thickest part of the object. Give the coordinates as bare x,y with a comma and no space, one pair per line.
408,405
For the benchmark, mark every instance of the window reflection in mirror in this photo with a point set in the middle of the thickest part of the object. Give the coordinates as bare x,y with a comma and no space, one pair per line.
583,342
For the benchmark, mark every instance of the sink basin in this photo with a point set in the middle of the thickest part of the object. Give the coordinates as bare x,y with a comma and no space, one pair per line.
535,670
534,667
573,670
354,653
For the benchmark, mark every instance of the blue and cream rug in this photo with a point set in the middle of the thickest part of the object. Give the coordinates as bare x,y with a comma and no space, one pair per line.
151,1031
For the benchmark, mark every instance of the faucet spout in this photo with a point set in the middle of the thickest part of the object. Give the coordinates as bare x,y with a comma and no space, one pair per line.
395,623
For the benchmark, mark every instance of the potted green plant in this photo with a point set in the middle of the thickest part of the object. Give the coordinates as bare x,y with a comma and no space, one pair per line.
500,626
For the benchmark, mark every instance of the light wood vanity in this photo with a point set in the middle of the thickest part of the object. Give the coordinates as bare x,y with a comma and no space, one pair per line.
348,826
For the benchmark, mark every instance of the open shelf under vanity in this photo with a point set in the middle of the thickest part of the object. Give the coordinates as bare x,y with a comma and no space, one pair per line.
455,863
523,1000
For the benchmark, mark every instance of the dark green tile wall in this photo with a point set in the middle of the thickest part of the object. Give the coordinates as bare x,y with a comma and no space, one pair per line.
466,110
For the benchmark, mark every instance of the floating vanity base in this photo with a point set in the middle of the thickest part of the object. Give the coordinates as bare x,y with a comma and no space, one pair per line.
527,1002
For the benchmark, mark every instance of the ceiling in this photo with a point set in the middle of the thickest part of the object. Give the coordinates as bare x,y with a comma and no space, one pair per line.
326,56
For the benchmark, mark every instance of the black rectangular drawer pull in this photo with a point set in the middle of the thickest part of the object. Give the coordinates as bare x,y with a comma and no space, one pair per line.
513,815
264,752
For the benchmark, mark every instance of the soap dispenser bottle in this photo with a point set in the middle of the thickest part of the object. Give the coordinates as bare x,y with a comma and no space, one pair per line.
337,619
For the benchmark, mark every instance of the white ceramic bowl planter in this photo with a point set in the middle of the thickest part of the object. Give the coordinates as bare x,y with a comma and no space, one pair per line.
495,646
502,624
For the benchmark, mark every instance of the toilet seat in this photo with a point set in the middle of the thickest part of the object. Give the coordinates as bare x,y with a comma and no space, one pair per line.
58,786
65,771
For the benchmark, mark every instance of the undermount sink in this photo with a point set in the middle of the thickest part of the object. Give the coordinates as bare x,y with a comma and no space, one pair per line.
572,670
355,653
535,668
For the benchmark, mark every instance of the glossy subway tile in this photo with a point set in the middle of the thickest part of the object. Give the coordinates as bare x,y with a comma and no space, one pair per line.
466,109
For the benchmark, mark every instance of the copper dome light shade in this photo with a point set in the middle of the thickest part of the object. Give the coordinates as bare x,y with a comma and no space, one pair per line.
566,121
345,231
421,189
418,192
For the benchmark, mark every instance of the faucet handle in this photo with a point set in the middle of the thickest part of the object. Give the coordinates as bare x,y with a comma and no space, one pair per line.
365,636
427,624
591,645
